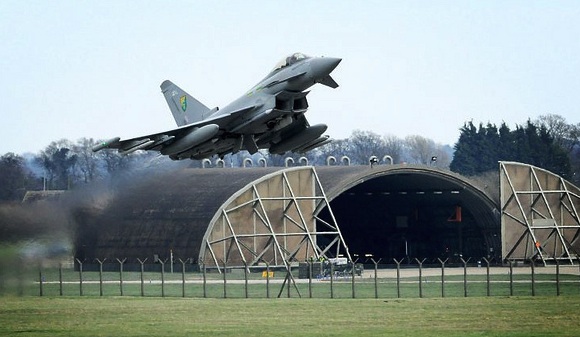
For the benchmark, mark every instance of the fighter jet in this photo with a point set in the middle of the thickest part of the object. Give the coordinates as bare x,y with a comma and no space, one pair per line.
269,116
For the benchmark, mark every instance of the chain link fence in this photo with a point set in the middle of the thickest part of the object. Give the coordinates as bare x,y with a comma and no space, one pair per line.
312,279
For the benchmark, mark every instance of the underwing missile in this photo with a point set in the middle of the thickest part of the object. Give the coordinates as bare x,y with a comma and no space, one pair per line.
105,144
137,147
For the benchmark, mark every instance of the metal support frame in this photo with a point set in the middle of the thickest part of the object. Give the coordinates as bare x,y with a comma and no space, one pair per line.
272,222
539,214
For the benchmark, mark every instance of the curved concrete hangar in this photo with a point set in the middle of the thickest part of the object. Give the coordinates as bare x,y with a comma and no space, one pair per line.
280,216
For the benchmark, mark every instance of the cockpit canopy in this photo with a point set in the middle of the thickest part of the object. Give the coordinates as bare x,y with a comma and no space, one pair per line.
290,60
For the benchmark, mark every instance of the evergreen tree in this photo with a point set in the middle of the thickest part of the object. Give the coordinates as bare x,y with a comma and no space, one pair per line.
479,151
465,157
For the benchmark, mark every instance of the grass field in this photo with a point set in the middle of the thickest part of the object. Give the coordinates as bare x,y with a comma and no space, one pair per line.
145,316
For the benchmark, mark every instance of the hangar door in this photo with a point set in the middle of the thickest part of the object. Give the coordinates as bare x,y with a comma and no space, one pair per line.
539,215
271,222
400,211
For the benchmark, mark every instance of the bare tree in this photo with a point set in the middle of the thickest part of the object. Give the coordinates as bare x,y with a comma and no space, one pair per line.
113,161
337,148
567,136
420,150
364,144
394,147
59,163
87,160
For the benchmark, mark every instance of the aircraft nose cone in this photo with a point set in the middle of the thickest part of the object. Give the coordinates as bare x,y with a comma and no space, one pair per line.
331,62
323,66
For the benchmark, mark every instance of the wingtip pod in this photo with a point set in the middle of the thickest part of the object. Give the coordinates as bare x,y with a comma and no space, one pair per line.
106,144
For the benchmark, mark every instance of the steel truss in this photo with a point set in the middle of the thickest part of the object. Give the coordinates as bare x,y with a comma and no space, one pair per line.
271,222
539,215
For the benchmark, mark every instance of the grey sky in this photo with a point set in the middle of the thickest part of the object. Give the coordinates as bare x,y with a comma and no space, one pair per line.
72,69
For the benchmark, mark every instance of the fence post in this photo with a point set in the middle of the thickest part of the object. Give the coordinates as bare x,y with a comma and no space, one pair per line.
80,277
101,275
557,277
331,280
267,280
60,278
310,278
40,281
376,278
225,280
352,279
533,267
246,279
420,262
171,260
142,275
398,277
511,278
288,278
204,280
183,276
442,275
121,262
162,263
488,285
465,276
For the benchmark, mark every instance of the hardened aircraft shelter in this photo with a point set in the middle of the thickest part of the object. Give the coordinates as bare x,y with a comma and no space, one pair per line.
278,217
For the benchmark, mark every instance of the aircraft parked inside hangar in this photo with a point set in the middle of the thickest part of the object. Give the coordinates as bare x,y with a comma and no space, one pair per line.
269,116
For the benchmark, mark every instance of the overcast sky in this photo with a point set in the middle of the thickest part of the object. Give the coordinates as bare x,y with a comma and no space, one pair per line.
72,69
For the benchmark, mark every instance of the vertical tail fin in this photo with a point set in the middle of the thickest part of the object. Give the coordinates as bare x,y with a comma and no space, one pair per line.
184,107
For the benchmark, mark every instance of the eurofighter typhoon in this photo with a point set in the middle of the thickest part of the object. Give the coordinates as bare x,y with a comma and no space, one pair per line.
269,116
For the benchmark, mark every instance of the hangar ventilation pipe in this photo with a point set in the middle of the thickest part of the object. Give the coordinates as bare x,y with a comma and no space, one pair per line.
263,162
345,160
389,158
220,163
330,160
247,161
205,162
303,161
289,162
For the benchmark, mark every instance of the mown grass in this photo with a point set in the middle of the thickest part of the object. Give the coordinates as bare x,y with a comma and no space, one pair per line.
144,316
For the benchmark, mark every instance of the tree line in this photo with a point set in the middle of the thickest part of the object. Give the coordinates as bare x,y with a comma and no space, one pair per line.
64,164
548,142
